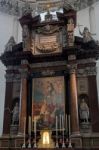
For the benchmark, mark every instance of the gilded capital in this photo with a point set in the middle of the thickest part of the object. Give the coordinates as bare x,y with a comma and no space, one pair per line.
72,68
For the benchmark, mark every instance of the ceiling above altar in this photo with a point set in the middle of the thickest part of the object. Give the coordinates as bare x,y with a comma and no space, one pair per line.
18,7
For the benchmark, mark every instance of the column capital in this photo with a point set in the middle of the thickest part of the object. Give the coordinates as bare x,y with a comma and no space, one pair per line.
87,71
23,72
72,68
24,62
12,74
9,77
24,68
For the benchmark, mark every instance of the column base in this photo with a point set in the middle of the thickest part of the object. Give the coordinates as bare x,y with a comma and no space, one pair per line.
75,134
20,134
76,142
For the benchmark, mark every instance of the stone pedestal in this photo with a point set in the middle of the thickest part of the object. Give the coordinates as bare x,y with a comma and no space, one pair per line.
13,129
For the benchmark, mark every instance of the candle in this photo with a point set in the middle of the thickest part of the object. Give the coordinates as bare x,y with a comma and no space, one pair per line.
24,131
60,122
63,125
66,122
69,125
24,126
29,132
56,127
35,132
63,144
57,132
29,129
35,125
24,146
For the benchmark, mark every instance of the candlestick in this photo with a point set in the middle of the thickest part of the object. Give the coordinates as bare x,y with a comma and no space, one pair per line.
63,144
29,145
29,132
70,144
24,144
35,132
57,146
57,132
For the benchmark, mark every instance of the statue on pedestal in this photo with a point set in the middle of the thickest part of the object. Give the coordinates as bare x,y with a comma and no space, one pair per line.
15,114
88,41
84,111
87,36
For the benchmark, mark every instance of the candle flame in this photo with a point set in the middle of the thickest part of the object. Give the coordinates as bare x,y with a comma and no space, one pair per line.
46,138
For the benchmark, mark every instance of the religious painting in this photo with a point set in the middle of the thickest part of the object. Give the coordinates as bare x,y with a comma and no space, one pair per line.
48,101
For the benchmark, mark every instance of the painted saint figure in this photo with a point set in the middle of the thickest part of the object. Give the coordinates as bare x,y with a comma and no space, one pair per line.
84,111
50,92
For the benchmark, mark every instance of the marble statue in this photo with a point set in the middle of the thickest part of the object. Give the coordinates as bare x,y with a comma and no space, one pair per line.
84,111
87,36
15,114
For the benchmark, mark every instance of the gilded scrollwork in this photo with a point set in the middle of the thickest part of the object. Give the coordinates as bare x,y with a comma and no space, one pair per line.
48,29
48,47
47,39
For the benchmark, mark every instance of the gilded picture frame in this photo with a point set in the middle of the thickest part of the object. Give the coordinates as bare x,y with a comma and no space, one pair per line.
48,101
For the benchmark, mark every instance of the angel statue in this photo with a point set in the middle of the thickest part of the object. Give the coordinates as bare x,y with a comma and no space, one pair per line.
87,36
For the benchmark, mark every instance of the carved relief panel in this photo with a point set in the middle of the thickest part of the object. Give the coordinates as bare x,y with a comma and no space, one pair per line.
47,39
82,85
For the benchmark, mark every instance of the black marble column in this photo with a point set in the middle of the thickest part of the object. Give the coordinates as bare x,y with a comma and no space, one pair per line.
8,102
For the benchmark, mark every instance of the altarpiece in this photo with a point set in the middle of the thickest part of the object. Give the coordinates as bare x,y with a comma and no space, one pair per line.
51,84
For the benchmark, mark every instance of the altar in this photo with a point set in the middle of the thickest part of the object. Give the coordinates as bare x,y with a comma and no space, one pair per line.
51,92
